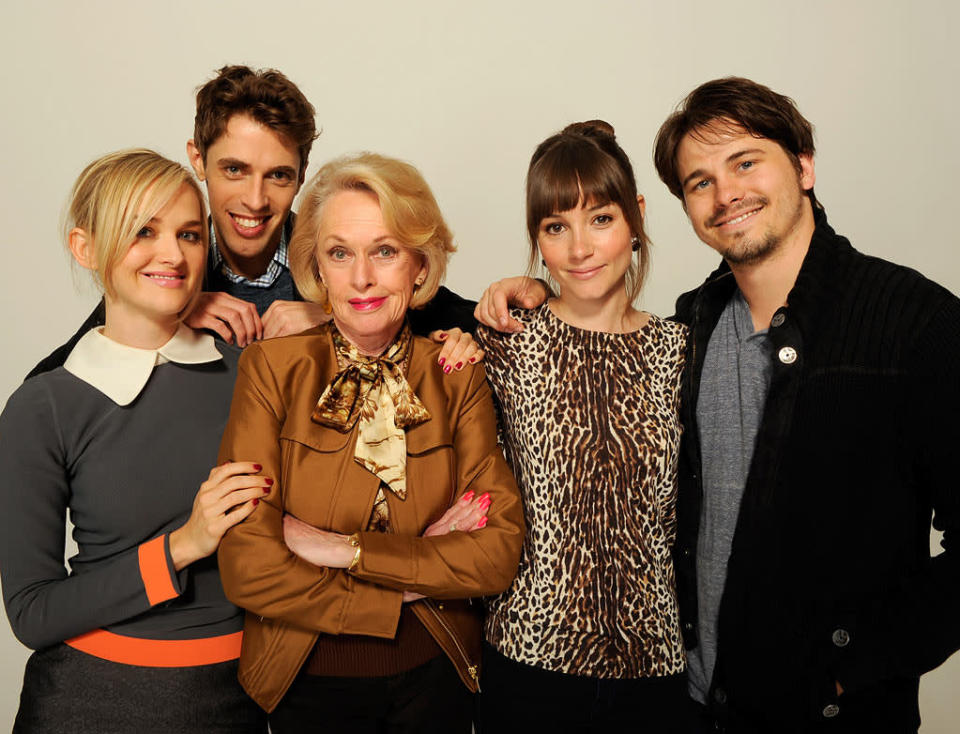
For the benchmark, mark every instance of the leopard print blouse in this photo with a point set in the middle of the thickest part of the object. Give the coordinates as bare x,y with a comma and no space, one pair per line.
589,426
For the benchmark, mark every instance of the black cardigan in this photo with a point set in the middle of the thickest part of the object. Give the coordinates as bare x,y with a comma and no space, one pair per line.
830,575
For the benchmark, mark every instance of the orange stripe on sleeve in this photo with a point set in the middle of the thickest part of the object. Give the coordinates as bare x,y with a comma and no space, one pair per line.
158,653
154,571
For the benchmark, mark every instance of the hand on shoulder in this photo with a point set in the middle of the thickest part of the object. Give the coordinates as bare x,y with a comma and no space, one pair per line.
283,318
235,320
520,292
459,349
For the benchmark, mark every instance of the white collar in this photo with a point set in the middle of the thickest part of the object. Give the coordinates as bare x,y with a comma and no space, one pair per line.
120,372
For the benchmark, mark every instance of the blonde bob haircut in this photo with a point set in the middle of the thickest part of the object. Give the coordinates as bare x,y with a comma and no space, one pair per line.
409,211
116,196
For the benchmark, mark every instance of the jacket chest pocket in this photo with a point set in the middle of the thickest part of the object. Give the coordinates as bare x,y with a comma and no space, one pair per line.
431,489
322,484
326,487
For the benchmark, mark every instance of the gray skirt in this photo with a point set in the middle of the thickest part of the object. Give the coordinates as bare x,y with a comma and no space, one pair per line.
65,690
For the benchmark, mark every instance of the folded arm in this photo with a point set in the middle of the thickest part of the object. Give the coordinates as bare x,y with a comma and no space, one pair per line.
458,564
259,571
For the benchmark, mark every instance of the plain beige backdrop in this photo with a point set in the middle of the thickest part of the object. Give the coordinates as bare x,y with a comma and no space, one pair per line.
465,91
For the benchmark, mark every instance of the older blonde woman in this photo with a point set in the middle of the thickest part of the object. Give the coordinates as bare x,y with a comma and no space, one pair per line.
393,504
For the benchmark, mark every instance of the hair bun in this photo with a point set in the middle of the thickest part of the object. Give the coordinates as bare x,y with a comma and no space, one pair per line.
591,128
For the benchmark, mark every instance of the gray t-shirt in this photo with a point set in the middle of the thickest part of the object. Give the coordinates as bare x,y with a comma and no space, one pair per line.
733,389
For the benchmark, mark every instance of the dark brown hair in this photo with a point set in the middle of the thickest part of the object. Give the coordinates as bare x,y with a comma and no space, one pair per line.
584,164
732,103
266,95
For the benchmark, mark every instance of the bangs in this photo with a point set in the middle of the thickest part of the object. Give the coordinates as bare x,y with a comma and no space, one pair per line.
136,200
569,176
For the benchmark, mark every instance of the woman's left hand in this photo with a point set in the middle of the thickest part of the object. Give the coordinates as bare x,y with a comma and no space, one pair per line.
459,349
319,547
467,514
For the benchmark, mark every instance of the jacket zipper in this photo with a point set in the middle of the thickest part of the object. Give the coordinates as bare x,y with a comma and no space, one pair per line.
471,669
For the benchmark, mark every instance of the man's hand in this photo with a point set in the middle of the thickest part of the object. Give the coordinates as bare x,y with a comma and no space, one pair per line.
228,316
520,291
459,348
291,317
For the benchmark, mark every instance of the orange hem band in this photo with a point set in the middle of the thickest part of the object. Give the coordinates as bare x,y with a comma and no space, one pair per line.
154,572
158,653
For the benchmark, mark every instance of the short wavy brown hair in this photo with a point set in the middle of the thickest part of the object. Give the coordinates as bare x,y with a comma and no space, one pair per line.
732,103
410,212
267,96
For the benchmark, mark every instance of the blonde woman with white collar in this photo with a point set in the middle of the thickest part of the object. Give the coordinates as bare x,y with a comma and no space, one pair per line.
138,635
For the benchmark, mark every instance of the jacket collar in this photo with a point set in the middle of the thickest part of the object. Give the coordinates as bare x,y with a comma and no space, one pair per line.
425,378
820,282
822,279
120,372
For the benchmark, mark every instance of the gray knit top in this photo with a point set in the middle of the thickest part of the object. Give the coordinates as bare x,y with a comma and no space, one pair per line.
128,476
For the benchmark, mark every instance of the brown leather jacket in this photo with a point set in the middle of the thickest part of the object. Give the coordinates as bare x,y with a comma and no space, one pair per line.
290,601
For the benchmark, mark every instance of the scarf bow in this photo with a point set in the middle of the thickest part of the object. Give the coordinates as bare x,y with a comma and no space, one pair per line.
375,391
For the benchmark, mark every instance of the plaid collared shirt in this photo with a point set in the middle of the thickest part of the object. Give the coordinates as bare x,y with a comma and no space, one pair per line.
278,264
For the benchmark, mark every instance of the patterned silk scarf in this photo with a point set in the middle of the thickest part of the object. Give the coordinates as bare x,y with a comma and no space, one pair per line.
374,390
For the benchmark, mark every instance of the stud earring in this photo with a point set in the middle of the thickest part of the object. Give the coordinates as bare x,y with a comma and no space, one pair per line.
635,244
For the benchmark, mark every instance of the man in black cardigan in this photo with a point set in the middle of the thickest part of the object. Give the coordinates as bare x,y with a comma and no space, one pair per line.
252,137
820,433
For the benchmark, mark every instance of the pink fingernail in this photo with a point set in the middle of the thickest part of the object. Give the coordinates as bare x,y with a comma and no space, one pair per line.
459,365
468,496
257,467
443,335
447,369
484,504
484,496
441,361
269,481
472,360
482,522
255,502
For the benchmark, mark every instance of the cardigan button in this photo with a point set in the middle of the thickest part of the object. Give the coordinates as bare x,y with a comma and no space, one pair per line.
830,710
778,319
720,696
787,355
840,637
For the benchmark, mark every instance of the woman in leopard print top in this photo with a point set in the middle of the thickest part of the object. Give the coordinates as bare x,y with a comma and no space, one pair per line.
588,637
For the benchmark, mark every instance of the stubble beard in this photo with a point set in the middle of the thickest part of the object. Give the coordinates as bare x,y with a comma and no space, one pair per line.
750,251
